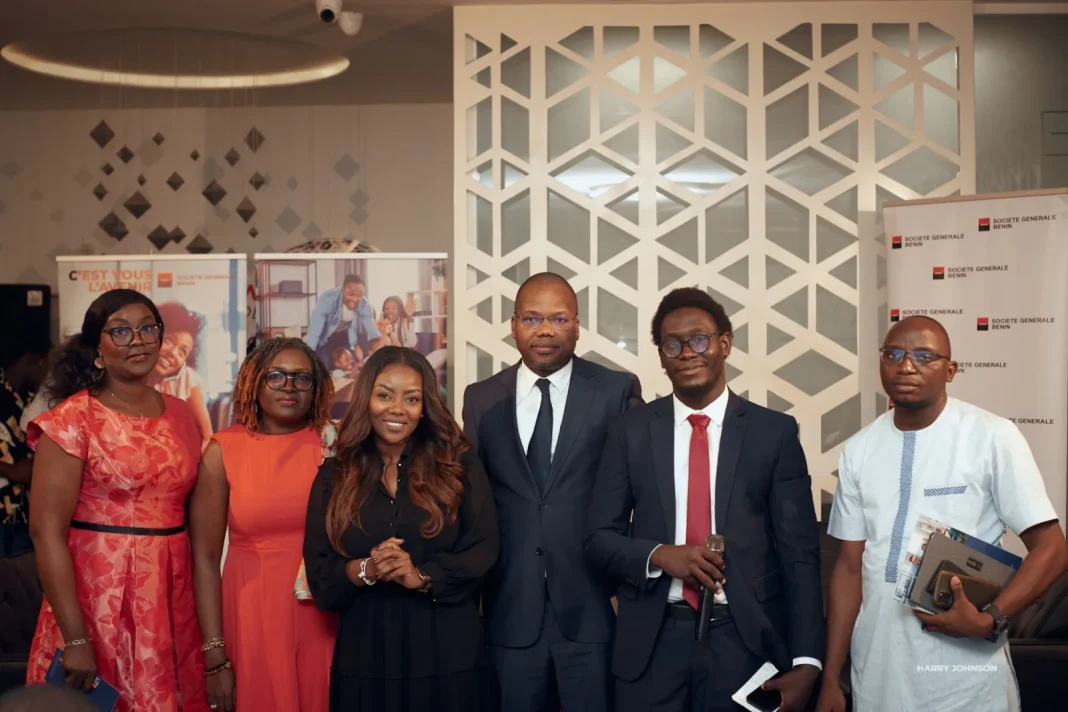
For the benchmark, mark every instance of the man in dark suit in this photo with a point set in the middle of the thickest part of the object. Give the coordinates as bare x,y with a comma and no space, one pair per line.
702,461
539,428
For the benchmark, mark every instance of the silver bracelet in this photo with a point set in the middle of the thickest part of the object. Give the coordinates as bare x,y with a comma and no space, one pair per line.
363,574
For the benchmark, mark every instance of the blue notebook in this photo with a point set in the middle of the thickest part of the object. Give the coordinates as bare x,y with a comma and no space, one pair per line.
104,696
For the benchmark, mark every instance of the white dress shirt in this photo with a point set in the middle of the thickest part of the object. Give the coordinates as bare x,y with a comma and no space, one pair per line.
528,401
716,412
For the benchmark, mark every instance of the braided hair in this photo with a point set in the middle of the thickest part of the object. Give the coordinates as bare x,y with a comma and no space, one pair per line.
254,371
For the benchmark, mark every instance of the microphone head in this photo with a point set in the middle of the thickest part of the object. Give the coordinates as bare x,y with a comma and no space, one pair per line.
716,543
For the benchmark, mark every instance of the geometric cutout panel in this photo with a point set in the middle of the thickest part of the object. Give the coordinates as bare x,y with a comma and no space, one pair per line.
635,149
812,372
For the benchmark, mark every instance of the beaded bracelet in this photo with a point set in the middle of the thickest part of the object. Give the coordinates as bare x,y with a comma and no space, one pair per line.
217,669
212,645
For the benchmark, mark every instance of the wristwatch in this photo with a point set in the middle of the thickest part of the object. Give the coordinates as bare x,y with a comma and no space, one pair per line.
363,574
1001,623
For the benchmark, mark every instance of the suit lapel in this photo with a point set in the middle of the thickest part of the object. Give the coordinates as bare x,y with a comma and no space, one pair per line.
507,382
662,434
580,395
730,448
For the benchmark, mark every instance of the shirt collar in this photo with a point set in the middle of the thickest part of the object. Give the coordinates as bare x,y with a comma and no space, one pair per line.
716,410
526,380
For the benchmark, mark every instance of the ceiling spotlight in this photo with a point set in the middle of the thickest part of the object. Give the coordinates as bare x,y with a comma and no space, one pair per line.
350,22
328,10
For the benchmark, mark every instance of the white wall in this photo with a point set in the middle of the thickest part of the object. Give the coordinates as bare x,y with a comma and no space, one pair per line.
380,174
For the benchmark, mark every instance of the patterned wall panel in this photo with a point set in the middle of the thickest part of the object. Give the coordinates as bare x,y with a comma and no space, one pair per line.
218,180
742,149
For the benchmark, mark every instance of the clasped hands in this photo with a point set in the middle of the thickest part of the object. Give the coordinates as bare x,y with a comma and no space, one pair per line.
389,562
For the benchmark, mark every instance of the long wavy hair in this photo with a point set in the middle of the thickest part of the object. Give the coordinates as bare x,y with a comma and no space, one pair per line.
435,475
253,372
73,366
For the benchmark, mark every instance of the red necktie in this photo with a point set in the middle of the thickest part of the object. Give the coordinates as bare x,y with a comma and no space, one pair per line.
699,494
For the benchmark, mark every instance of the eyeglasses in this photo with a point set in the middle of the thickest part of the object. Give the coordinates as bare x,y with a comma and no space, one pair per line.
698,343
921,357
124,335
558,323
277,380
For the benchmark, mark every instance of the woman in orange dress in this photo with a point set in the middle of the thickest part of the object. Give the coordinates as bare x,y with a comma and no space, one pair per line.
272,651
115,464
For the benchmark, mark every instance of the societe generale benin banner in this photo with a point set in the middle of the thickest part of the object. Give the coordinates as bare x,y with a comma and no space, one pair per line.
993,271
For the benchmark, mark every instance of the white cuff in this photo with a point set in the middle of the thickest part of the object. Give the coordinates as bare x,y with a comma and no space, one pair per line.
808,661
652,572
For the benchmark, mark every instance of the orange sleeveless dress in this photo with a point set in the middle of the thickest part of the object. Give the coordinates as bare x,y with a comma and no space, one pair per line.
281,648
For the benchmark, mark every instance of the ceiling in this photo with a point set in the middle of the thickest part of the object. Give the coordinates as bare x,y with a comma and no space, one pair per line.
402,54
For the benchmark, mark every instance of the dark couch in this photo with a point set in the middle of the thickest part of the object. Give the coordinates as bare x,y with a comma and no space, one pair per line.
20,602
1038,639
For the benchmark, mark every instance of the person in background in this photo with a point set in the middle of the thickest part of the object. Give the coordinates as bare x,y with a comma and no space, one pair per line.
539,428
22,368
176,371
256,476
697,462
401,530
344,363
342,317
396,324
964,467
46,698
115,463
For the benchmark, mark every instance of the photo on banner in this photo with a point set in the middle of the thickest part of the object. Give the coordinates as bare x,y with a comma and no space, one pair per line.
201,299
347,306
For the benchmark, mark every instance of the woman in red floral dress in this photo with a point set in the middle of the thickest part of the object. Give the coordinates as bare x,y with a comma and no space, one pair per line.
115,463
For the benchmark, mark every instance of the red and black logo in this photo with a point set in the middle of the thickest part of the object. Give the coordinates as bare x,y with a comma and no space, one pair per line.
938,273
895,315
984,224
895,242
982,324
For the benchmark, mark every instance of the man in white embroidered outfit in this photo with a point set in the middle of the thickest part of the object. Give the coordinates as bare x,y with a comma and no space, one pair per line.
967,468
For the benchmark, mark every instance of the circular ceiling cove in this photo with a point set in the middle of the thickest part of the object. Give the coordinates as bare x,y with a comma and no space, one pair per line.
175,59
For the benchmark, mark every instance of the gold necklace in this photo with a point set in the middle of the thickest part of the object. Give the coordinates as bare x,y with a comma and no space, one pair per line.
140,411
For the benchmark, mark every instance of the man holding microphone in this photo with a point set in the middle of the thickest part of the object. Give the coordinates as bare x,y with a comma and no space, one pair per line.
698,462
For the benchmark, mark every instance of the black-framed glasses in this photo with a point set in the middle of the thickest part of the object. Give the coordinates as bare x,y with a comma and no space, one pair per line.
124,335
920,357
558,323
698,343
276,380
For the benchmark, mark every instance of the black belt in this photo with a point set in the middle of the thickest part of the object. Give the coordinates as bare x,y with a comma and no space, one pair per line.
684,611
132,531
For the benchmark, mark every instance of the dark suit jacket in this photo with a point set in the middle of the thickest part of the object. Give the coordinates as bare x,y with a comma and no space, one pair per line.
763,502
543,534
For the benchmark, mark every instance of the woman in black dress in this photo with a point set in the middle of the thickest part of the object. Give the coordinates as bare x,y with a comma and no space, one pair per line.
401,529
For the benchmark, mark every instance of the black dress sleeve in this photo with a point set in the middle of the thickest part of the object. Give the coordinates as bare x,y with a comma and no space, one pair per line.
330,585
457,574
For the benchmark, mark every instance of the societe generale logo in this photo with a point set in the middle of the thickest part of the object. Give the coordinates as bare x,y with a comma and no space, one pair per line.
895,315
984,224
895,242
165,280
938,273
982,323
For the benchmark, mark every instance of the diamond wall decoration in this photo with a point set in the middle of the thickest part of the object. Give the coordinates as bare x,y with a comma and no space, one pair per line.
214,193
199,246
100,191
158,139
232,157
125,154
102,134
629,204
113,226
137,204
257,181
246,209
346,167
254,139
107,169
175,181
160,237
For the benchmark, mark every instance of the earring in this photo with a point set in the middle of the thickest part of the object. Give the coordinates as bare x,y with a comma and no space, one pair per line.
99,363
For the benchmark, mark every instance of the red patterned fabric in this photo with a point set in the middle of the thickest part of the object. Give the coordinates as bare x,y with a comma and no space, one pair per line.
135,592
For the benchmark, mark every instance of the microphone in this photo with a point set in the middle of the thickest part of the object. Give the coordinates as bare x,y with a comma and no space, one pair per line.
717,544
